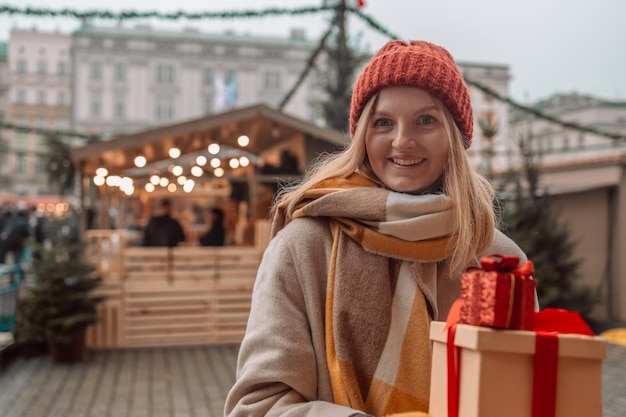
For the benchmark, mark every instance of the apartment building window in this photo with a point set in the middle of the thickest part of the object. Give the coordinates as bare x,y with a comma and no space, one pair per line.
41,97
40,167
208,105
95,108
61,70
20,96
581,140
120,109
96,71
61,124
20,163
271,80
42,67
21,66
120,72
164,109
565,142
20,121
207,76
61,100
41,123
165,74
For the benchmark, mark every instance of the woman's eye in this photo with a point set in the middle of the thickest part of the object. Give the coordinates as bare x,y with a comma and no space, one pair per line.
426,120
382,122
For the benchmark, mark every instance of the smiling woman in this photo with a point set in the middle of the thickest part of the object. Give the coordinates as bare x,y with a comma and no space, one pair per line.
368,249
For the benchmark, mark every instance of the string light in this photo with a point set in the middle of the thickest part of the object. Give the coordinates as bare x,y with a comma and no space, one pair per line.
140,161
174,153
177,170
243,141
102,172
214,149
197,171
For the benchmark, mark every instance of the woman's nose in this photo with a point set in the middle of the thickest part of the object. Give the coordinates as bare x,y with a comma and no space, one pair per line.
404,139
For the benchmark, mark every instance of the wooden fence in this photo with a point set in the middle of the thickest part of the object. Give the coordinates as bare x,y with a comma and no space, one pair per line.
171,296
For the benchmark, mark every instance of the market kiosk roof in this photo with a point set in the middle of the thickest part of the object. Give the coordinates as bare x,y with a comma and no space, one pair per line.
266,128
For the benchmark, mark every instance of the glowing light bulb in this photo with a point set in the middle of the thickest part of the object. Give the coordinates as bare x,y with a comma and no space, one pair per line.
214,149
174,153
243,141
140,161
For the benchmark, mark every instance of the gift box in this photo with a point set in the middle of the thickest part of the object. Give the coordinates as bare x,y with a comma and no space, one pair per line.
498,294
496,373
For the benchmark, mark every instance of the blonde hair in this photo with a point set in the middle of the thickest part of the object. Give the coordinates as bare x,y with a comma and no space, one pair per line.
470,192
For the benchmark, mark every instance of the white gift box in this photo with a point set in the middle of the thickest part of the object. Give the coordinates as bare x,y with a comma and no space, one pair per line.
496,373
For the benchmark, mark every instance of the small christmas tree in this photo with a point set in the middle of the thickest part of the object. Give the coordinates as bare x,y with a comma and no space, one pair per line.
58,303
532,224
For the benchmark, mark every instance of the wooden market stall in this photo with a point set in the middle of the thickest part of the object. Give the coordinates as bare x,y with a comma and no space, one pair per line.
188,294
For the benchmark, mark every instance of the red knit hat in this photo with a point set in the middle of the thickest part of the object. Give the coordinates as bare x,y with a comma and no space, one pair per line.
416,64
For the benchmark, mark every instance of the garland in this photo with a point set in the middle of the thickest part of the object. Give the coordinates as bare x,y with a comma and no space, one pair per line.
46,132
126,15
130,14
540,115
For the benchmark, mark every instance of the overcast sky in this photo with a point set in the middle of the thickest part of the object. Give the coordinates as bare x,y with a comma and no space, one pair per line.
550,46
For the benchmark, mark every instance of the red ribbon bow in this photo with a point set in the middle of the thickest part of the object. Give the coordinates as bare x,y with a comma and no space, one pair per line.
505,263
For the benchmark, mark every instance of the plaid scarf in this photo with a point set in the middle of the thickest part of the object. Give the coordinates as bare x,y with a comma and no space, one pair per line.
377,321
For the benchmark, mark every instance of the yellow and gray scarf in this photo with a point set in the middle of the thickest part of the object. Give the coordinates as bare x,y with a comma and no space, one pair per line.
377,321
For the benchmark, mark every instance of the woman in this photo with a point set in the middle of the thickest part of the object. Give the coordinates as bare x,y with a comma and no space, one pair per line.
216,234
369,249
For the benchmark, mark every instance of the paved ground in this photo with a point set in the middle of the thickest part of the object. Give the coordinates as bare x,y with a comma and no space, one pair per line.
169,382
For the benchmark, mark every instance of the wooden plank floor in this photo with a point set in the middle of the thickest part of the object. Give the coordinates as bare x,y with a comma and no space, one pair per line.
169,382
148,382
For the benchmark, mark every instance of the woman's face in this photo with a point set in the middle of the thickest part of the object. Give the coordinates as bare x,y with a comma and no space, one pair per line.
405,140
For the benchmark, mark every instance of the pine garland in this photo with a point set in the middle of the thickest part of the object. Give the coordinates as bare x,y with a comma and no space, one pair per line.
45,132
131,14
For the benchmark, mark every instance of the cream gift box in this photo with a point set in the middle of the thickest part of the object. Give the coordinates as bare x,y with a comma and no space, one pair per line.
496,373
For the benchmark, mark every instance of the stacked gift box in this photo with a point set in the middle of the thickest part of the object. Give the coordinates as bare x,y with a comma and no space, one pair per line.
496,356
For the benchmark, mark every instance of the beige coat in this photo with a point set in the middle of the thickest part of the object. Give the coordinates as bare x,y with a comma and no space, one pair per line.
282,368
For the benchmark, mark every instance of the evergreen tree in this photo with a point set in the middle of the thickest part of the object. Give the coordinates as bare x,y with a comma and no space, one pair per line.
58,164
343,59
531,222
58,303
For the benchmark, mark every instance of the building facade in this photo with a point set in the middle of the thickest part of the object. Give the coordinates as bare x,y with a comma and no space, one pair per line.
491,146
37,97
555,143
128,79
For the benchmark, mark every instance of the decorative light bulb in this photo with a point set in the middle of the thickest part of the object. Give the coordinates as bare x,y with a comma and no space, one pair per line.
243,141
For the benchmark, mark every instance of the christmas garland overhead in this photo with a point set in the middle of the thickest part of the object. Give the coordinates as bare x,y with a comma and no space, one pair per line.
128,15
45,132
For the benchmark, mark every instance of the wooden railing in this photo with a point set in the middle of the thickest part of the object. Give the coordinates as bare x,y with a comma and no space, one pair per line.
171,296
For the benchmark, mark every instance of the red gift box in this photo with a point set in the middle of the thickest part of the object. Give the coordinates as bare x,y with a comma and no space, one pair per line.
498,294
